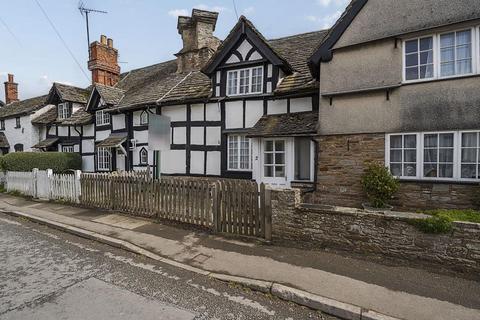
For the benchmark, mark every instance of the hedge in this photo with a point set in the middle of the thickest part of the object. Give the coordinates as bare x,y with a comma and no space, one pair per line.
59,162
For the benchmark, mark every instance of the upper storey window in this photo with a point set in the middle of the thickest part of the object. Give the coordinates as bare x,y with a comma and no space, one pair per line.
245,81
64,111
442,55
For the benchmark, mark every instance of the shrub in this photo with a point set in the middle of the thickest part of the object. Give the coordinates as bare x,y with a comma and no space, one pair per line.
434,224
468,215
379,185
57,161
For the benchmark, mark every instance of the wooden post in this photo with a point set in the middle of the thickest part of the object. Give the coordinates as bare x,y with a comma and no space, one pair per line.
216,206
34,182
261,219
268,215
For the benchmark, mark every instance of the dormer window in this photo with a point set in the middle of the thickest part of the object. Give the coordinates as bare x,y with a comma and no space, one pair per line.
102,118
245,81
64,111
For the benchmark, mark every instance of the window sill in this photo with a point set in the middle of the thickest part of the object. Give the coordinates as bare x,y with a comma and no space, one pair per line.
466,76
434,181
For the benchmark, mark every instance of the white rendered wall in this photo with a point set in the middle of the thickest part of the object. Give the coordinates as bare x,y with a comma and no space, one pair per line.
176,113
213,112
213,163
277,106
253,112
88,163
118,121
301,104
234,114
173,161
197,160
197,135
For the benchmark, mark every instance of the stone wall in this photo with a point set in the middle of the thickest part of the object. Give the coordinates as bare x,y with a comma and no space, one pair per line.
342,160
389,234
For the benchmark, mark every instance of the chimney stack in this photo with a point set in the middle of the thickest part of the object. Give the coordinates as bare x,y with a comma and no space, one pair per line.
199,43
11,90
104,62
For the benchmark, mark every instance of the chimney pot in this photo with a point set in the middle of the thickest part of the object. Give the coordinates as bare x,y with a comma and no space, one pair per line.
103,39
110,43
10,77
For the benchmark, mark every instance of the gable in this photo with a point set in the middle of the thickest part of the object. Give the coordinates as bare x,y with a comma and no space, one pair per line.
244,43
243,53
94,101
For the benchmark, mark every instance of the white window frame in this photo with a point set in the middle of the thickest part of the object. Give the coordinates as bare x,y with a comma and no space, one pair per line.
238,71
143,153
436,55
104,154
312,162
457,156
63,110
238,136
68,148
102,118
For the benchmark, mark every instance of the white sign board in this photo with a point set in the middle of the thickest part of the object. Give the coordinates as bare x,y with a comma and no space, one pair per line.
159,132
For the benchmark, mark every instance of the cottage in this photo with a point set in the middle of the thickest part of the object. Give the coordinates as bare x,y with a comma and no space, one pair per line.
399,85
16,130
242,108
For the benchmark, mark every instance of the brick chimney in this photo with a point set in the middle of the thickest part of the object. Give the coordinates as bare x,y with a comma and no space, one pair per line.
199,43
11,90
104,62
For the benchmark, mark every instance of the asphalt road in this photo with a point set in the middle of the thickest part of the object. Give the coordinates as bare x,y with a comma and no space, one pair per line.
48,274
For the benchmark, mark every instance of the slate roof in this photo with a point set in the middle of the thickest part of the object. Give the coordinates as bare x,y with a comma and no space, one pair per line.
79,117
47,117
46,143
297,50
288,124
22,107
4,141
110,95
113,140
71,93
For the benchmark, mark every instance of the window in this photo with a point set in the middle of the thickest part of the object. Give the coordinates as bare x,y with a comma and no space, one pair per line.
470,154
303,159
419,59
456,53
441,55
143,156
274,159
2,124
17,122
64,111
18,147
245,81
144,118
67,149
239,153
435,155
102,118
104,159
403,155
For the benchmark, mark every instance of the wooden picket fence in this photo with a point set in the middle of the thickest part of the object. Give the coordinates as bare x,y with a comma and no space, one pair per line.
45,184
229,206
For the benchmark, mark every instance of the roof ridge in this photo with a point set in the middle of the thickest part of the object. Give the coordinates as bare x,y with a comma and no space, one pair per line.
149,66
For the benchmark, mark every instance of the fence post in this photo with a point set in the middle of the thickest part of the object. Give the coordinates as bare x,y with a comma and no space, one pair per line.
216,206
77,187
34,182
49,181
268,214
112,192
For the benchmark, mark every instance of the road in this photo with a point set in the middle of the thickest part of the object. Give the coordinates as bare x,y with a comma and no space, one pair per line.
48,274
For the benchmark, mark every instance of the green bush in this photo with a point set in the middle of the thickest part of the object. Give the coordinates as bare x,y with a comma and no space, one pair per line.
379,185
57,161
434,224
468,215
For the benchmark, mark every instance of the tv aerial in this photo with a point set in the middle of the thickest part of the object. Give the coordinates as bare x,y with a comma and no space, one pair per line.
85,11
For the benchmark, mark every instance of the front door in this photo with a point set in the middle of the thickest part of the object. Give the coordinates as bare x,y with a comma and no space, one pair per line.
274,164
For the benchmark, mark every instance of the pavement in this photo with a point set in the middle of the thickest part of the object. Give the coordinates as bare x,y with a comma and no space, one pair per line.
346,286
49,274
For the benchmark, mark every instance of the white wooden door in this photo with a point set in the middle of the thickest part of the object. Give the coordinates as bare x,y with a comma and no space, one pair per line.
275,162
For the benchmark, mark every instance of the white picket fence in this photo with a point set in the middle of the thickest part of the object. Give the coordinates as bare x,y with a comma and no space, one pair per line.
45,185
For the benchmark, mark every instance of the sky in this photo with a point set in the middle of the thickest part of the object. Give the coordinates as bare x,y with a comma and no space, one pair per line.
144,32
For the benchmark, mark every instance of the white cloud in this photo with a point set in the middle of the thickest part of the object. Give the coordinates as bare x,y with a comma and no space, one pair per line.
178,12
325,21
248,10
210,8
327,3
